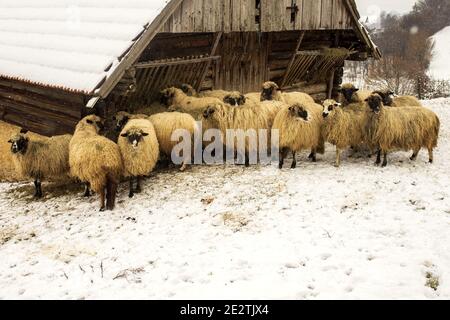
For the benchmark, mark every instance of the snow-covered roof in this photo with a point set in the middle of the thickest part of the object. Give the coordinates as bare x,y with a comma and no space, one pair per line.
70,44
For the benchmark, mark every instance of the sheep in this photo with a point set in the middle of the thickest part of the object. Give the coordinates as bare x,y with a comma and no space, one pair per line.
271,91
96,160
121,118
176,100
352,94
235,99
166,124
41,158
223,117
140,151
342,127
189,90
298,130
389,99
406,128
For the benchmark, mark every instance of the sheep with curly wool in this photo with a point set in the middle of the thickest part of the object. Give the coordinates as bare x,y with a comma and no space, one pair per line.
140,151
406,128
390,100
298,130
351,94
96,160
40,159
342,127
166,124
176,100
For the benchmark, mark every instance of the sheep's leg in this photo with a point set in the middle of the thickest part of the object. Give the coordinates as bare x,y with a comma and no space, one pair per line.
37,187
131,194
138,185
384,159
313,155
430,154
283,155
415,154
102,200
338,157
87,190
378,162
294,161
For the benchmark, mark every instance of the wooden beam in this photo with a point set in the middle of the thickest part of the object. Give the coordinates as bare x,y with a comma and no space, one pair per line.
294,55
153,64
214,47
137,48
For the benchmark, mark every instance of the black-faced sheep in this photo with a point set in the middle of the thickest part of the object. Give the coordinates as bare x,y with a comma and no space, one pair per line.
140,151
176,100
352,94
39,159
406,128
122,117
166,124
271,91
96,160
236,99
342,127
298,130
391,100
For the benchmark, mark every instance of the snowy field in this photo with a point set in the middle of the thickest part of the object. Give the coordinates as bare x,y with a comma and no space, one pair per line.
316,232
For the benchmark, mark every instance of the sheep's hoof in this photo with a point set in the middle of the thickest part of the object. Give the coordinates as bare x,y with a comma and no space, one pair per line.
130,195
102,209
38,196
280,166
293,166
431,161
413,158
138,190
384,165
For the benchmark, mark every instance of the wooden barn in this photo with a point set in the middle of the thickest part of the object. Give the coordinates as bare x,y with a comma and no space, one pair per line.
58,60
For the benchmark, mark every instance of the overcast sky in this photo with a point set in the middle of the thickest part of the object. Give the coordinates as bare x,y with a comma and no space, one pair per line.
373,8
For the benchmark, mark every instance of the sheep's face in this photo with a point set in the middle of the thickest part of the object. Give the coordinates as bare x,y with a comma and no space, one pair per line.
348,92
387,96
235,100
375,103
188,89
134,137
167,96
329,106
19,144
95,122
209,112
299,112
269,90
121,119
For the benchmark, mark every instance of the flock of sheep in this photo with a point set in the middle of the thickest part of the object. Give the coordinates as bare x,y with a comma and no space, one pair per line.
377,121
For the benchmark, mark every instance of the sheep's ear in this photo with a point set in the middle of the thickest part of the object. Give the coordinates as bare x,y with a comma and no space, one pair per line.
23,131
337,104
90,121
355,90
367,100
10,141
124,135
144,134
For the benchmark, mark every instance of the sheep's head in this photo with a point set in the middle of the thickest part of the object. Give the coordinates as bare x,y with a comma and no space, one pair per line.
348,90
94,122
375,103
134,136
387,96
19,142
121,119
299,112
329,106
269,90
188,90
235,99
167,96
209,112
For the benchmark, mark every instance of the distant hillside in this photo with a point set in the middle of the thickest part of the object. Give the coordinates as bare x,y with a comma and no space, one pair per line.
440,63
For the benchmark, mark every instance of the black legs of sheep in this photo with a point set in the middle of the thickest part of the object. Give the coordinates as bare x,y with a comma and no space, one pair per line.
379,158
38,189
283,156
87,190
138,186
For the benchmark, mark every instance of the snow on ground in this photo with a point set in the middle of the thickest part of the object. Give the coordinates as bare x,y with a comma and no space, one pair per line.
440,65
316,232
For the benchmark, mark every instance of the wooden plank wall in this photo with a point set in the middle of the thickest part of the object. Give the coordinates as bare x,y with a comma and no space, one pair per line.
42,110
213,16
243,66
